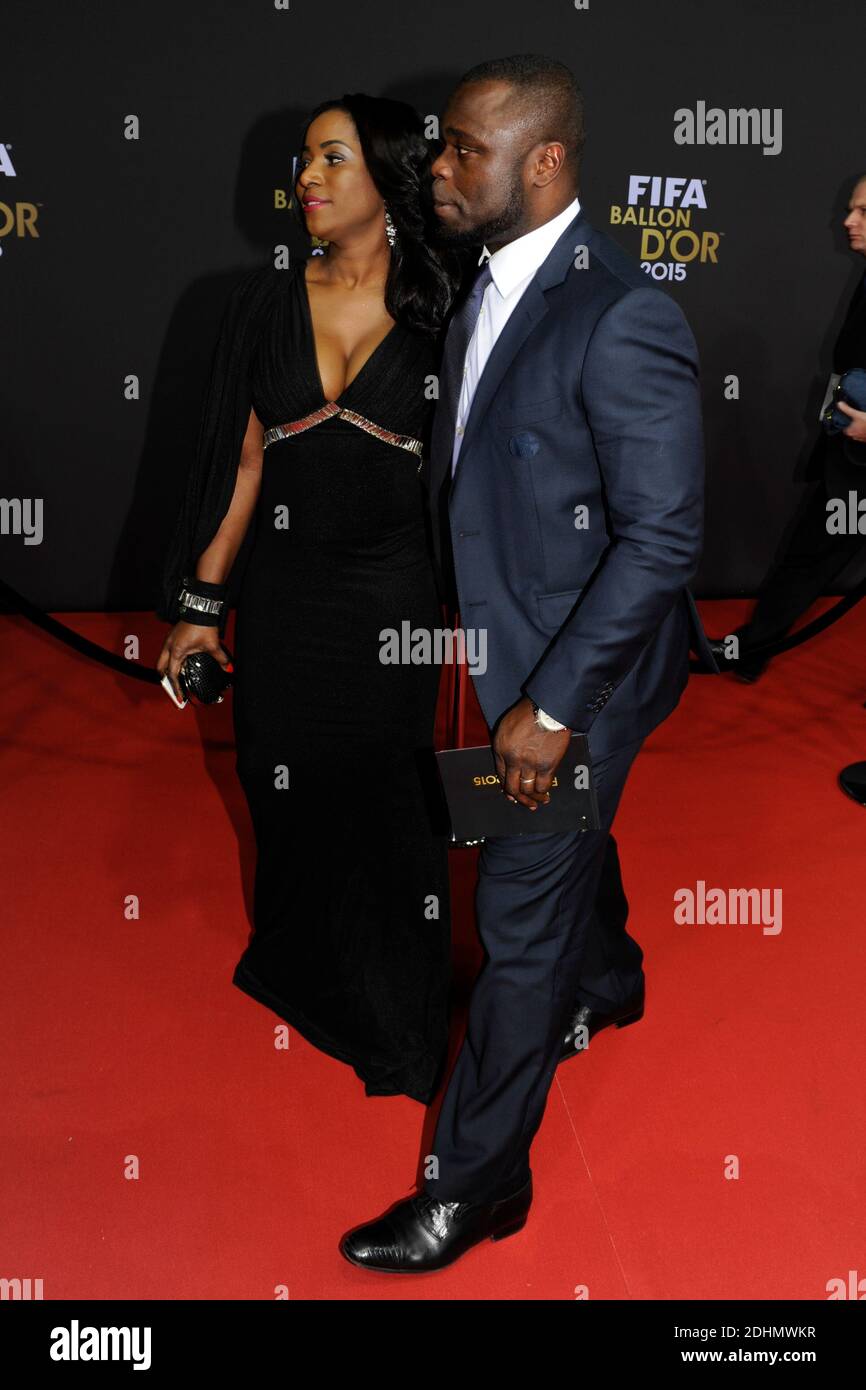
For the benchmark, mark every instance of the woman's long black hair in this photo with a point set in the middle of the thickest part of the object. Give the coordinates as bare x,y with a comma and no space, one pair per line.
423,277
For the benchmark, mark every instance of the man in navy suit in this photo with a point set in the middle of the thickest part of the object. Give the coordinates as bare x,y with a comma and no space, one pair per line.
567,471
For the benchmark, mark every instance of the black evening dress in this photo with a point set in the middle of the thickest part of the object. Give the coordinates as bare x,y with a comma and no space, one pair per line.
334,745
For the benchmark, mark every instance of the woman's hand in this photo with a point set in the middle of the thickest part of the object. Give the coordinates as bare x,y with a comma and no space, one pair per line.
183,639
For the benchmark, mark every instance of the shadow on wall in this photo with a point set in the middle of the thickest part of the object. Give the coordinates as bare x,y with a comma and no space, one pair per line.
767,446
183,365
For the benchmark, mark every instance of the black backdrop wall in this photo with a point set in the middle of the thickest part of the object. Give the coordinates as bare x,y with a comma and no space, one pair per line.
116,254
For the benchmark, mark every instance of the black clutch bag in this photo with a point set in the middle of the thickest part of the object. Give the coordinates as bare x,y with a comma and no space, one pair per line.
477,808
202,675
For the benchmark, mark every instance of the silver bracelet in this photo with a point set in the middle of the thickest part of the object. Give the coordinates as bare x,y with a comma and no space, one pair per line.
200,604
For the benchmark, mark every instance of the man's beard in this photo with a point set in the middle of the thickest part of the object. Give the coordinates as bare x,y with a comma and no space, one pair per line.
491,230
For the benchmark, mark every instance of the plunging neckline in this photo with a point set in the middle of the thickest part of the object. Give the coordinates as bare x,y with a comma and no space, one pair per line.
314,358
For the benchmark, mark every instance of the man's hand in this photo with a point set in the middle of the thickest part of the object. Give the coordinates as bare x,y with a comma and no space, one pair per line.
857,428
527,756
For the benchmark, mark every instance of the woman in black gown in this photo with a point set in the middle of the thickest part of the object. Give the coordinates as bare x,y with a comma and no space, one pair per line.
313,429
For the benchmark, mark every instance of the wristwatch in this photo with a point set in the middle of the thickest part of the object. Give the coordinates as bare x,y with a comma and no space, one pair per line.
546,721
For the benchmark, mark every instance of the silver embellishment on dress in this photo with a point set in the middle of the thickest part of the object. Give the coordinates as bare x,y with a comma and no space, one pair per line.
326,412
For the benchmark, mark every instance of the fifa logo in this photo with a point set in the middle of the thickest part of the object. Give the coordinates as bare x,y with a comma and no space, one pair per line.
685,192
662,206
16,219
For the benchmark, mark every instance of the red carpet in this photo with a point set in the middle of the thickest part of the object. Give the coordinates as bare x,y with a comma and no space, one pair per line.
125,1041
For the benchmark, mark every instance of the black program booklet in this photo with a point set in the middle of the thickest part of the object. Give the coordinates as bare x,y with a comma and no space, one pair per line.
477,807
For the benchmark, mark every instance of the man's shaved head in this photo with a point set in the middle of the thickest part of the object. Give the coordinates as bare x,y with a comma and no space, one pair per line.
547,100
512,144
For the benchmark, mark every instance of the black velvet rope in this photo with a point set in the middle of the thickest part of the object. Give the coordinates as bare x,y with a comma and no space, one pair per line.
784,644
17,603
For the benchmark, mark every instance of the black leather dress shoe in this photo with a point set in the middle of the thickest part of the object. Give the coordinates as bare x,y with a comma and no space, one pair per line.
423,1234
593,1021
745,667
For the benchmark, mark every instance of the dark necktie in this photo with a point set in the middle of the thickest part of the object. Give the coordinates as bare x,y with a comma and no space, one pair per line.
457,340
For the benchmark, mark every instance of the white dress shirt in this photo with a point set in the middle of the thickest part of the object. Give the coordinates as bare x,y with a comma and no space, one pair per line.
512,267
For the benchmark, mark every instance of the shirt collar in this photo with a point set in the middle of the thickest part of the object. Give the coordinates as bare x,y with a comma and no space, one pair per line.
519,259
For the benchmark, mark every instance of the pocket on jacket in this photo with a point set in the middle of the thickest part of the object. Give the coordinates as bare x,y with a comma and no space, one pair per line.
528,412
553,609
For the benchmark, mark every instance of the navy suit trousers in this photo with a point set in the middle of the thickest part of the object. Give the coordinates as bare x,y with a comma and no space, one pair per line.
548,946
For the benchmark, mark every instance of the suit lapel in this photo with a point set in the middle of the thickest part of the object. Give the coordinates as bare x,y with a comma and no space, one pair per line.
530,309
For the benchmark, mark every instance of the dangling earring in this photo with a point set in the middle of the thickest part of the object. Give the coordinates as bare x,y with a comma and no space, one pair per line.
390,229
319,245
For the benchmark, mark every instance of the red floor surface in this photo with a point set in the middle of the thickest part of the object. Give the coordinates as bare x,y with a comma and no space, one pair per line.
126,1037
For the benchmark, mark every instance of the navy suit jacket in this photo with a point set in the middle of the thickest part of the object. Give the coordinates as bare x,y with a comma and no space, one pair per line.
589,400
